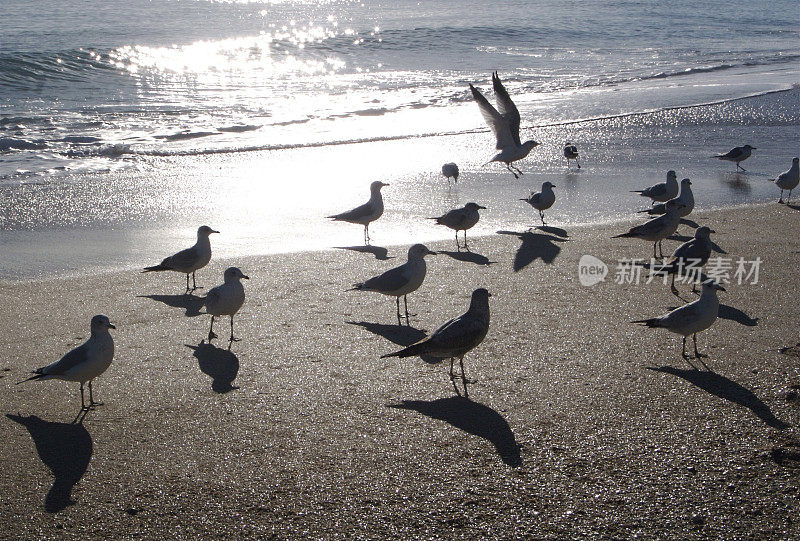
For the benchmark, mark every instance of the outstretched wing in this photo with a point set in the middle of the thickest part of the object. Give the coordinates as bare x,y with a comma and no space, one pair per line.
506,107
496,121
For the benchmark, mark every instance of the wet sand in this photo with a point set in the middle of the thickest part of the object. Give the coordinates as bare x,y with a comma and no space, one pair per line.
580,423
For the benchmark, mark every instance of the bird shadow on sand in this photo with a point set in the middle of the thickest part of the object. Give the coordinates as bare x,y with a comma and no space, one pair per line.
468,257
402,335
473,418
793,207
557,231
793,351
221,364
379,252
534,246
736,181
66,449
720,386
190,303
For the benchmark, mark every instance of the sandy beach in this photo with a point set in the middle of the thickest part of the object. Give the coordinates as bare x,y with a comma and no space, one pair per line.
580,423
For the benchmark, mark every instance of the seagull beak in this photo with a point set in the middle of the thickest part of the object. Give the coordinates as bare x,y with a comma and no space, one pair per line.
110,326
721,288
480,207
214,231
711,231
431,252
245,277
489,294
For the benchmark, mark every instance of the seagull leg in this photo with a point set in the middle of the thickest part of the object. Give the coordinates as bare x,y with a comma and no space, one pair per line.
211,334
541,217
781,199
405,301
697,354
232,339
92,403
673,288
397,302
518,169
578,163
683,351
366,234
458,246
508,166
83,404
465,240
194,282
463,374
187,283
789,197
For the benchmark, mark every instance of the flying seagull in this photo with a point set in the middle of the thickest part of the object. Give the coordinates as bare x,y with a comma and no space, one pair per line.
504,122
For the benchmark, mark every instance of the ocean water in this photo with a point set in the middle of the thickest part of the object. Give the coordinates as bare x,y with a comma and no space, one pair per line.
124,125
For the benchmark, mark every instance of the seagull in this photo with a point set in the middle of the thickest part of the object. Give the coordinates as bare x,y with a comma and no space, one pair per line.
543,200
366,213
690,318
460,219
450,170
571,153
657,229
689,258
686,198
663,191
504,122
736,155
225,300
455,338
85,362
189,260
788,180
400,281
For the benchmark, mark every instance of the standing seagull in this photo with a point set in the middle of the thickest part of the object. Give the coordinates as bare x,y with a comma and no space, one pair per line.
85,362
690,318
504,122
456,337
543,200
686,198
689,258
460,220
663,191
450,170
366,213
736,155
400,281
225,300
571,153
788,180
657,229
189,260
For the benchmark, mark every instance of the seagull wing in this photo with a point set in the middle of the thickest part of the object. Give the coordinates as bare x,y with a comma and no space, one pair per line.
733,153
389,281
358,213
457,335
496,121
506,107
183,259
453,219
69,361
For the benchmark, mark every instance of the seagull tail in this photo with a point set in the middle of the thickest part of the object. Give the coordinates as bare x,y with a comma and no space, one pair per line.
648,211
356,287
640,192
623,235
652,322
36,375
156,268
411,351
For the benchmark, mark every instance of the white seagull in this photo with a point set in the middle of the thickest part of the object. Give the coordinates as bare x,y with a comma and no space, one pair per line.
460,219
450,170
663,191
189,260
226,299
657,229
400,281
571,153
690,318
455,338
85,362
504,122
543,200
685,198
788,180
366,213
736,155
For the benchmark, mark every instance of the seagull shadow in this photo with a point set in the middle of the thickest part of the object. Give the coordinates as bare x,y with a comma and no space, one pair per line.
794,350
534,246
377,251
221,364
793,207
737,181
402,335
553,230
720,386
191,303
66,449
473,418
468,257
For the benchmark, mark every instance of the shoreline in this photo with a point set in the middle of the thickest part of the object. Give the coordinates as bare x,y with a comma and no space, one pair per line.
580,422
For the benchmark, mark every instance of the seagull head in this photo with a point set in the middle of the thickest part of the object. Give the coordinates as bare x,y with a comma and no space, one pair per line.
795,160
711,285
748,147
233,274
548,184
101,323
686,182
473,206
205,231
671,175
376,186
419,251
703,232
528,145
